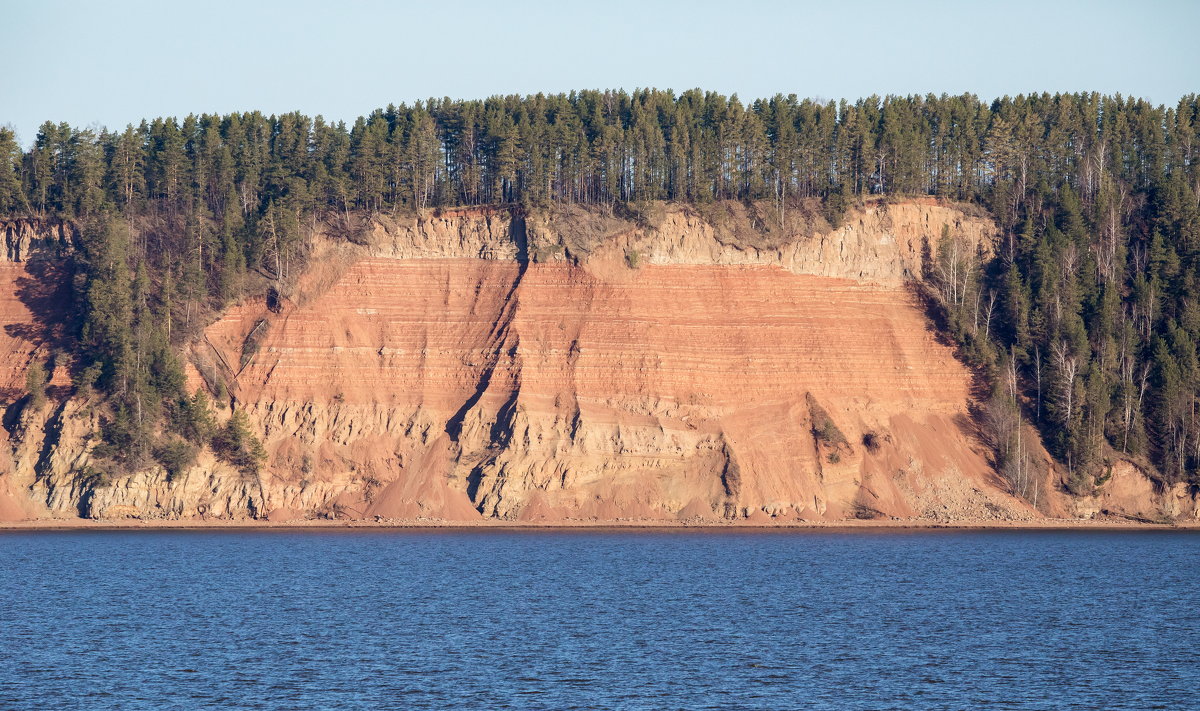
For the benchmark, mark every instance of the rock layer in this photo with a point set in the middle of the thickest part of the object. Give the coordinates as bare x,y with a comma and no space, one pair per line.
444,376
476,364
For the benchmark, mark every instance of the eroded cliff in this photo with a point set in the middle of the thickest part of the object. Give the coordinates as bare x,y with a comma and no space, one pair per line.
480,363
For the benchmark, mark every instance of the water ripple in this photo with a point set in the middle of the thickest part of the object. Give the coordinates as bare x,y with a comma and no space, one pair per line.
599,620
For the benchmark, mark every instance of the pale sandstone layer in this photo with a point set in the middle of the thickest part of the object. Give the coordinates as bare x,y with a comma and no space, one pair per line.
473,365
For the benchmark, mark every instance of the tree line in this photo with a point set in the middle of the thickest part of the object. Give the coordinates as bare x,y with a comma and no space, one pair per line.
1085,317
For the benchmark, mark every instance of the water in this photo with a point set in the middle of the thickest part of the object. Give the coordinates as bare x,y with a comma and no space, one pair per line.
599,620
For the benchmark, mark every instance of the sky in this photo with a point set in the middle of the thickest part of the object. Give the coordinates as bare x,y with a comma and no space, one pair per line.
115,62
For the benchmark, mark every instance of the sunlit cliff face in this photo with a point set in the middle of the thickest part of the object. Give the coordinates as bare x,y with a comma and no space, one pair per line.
481,364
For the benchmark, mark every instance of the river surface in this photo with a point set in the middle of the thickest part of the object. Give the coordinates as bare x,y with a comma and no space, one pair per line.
599,620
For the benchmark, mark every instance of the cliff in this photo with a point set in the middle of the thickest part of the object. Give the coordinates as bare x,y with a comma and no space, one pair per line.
469,364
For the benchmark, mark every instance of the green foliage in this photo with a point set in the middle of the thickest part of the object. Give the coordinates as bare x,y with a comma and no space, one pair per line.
12,196
122,441
1080,482
828,432
823,426
35,383
834,207
176,456
192,418
1088,311
236,444
94,477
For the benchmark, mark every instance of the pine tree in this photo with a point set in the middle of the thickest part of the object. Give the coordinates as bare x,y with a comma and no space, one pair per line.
12,196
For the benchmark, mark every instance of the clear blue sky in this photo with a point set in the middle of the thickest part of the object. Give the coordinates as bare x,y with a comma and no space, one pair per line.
114,62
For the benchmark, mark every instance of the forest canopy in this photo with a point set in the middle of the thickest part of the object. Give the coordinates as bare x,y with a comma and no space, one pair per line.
1090,314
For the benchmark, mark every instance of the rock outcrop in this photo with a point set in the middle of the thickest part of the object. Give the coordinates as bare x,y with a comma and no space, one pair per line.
480,364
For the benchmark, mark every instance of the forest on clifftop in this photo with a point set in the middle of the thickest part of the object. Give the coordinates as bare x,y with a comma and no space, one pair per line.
1085,319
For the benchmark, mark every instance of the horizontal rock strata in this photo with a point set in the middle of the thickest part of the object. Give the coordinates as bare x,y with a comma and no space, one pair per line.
475,364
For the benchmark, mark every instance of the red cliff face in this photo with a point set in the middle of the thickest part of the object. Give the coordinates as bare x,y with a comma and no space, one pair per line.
685,382
32,293
471,365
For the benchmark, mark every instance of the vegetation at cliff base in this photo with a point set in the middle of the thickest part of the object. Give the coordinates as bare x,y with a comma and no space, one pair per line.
1086,317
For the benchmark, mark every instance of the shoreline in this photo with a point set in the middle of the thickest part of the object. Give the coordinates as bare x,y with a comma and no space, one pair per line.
580,525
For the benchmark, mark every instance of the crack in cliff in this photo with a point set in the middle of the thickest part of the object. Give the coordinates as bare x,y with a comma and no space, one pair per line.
731,472
502,341
498,339
694,371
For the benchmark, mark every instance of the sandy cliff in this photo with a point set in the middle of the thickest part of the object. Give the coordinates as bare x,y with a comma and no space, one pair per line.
477,363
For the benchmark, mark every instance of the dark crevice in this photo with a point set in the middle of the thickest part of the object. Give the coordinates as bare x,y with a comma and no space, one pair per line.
500,328
731,473
473,480
502,345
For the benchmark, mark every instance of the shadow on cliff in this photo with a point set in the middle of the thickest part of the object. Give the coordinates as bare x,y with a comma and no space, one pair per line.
502,343
937,324
46,289
970,426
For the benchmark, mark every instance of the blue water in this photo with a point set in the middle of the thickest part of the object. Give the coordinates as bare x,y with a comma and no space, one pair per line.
599,620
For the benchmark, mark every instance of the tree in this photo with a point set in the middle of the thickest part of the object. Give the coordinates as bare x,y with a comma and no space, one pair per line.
12,196
236,444
1085,312
35,383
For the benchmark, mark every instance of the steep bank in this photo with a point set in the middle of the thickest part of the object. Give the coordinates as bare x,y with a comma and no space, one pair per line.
478,364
